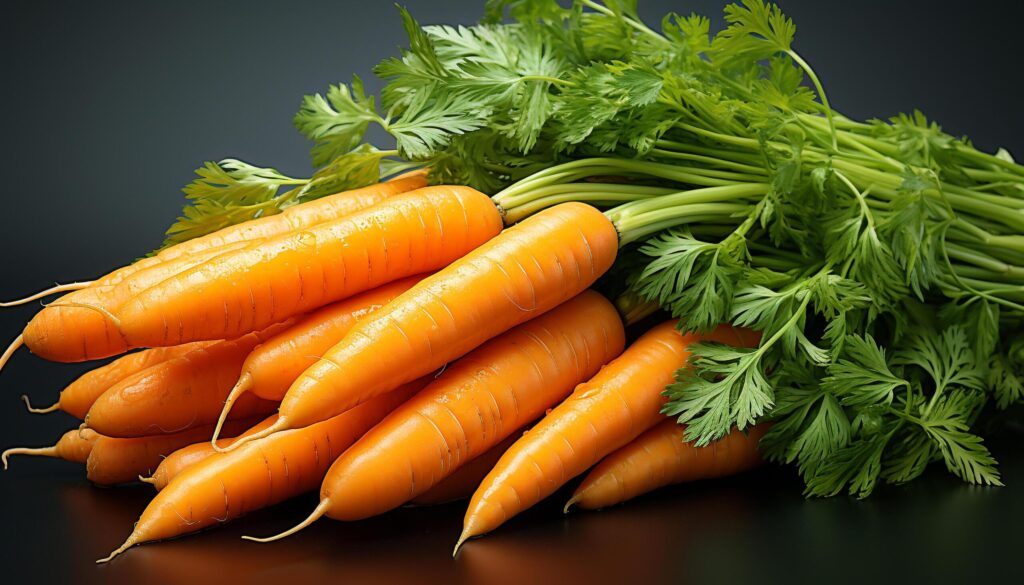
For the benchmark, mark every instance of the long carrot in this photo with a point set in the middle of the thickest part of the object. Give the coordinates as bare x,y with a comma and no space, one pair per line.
184,392
272,367
281,277
530,268
95,338
472,406
183,458
463,481
610,410
79,396
227,485
110,461
661,457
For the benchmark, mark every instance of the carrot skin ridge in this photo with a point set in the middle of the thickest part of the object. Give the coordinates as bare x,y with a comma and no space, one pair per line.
473,405
463,481
525,271
661,457
611,409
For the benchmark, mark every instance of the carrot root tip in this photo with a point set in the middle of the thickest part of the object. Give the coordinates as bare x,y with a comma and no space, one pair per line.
150,480
279,425
41,451
112,317
117,551
59,288
320,510
18,342
572,501
240,387
28,406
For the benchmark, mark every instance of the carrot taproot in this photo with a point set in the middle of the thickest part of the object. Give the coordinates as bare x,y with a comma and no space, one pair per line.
224,486
111,461
661,457
187,456
53,290
463,481
281,277
525,271
180,393
78,396
623,400
87,313
272,367
473,405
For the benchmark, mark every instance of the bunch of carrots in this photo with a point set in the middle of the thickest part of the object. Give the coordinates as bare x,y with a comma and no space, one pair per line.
392,345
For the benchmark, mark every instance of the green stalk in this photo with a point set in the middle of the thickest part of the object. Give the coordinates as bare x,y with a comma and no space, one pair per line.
637,227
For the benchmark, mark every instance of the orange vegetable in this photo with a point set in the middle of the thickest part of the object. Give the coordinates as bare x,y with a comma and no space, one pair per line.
530,268
79,396
110,461
227,485
184,392
272,367
610,410
183,458
94,336
463,481
472,406
661,457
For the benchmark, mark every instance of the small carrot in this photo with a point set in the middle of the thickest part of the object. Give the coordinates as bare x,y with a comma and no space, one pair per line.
463,481
180,393
471,407
79,396
110,461
527,270
183,458
227,485
661,457
272,367
78,327
623,400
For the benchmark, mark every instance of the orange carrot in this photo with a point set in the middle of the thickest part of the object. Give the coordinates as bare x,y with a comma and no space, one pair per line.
530,268
94,335
180,393
463,481
110,461
272,367
79,396
281,277
623,400
472,406
183,458
661,457
227,485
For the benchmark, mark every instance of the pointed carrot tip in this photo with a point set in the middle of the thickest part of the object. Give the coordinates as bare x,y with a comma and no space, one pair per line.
279,425
117,551
13,347
572,501
150,480
28,406
320,510
458,545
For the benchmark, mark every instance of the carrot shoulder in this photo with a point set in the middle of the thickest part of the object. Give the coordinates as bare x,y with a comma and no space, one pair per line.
623,400
661,457
527,270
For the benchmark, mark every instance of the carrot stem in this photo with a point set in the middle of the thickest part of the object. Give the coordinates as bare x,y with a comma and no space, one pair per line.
28,405
60,288
320,510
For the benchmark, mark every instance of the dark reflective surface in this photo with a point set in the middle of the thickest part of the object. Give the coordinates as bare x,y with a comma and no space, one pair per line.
106,109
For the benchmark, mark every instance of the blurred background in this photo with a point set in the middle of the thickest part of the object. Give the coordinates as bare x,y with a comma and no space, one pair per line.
107,108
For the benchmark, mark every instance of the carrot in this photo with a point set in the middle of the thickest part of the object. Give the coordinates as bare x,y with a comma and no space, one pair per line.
94,337
623,400
180,393
110,461
272,367
79,396
183,458
227,485
284,276
474,404
661,457
463,481
530,268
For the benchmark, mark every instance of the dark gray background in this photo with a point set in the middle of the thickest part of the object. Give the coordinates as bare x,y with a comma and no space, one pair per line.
107,107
